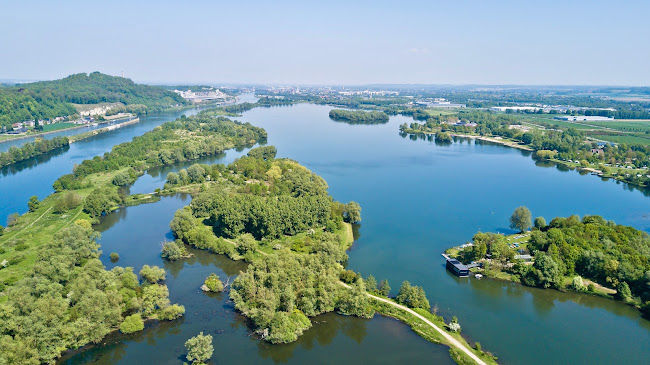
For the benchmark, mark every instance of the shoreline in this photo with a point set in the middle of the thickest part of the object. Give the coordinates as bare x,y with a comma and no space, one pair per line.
82,136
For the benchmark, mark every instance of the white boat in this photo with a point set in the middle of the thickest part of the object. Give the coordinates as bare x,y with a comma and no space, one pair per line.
478,276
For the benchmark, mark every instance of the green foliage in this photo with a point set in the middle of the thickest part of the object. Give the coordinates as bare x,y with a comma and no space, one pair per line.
101,201
359,116
384,288
443,137
623,291
172,312
31,149
66,202
199,348
540,223
265,153
69,300
114,256
349,276
213,283
577,284
521,219
152,274
412,296
132,323
167,144
173,251
125,177
33,203
352,212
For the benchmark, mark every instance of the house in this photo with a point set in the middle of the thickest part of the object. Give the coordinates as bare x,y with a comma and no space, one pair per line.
457,268
29,123
17,125
597,151
526,258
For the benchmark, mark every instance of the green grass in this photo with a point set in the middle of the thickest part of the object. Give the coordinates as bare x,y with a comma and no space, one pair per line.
622,138
58,126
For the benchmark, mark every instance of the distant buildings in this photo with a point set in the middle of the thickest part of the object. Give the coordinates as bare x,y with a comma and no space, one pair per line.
438,103
201,96
575,118
515,108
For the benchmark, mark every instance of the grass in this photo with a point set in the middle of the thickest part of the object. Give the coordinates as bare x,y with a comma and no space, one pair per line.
22,240
58,126
622,138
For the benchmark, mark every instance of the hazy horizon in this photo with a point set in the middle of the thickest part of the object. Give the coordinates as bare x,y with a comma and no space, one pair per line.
462,43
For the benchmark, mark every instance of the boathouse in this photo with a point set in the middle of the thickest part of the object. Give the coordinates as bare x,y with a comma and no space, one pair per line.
457,268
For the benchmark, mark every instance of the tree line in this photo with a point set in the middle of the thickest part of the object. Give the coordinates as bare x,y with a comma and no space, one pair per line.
31,149
358,116
51,99
69,299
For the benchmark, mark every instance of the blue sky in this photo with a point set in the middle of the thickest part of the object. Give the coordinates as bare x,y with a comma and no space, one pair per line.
333,42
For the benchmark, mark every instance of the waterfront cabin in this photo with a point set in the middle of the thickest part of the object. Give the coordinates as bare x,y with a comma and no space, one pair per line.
457,268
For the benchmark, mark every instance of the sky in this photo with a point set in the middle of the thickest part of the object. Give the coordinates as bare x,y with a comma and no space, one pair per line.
349,42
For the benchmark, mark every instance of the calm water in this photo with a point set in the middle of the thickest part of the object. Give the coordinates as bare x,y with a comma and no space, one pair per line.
418,198
36,176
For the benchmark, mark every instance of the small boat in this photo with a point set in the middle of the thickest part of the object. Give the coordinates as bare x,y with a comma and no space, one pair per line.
478,276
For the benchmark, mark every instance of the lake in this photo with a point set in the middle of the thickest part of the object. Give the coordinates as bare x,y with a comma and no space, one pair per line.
418,198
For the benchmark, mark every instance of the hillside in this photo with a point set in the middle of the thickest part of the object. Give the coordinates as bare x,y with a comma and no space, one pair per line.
50,99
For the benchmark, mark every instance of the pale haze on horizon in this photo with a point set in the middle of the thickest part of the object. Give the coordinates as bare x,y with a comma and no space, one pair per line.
350,42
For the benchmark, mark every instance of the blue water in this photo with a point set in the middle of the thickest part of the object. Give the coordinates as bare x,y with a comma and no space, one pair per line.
418,198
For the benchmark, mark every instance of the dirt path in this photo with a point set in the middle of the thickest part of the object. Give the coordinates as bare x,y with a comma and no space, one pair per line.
452,341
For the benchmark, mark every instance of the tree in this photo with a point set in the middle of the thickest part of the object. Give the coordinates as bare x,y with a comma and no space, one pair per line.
152,274
212,283
521,219
352,212
114,256
199,348
412,296
173,251
623,291
132,323
384,288
2,230
371,284
540,223
33,203
12,219
548,271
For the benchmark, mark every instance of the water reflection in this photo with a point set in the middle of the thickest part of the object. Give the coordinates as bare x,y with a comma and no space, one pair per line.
28,164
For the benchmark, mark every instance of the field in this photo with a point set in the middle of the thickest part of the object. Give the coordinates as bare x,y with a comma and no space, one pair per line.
626,125
57,126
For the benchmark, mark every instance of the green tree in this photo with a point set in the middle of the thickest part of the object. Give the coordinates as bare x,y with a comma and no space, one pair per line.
623,291
352,212
199,348
132,323
521,219
212,283
33,203
152,274
384,288
173,251
412,296
114,256
540,222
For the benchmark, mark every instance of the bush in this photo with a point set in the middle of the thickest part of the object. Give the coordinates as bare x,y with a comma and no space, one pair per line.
114,256
132,323
199,348
173,251
213,284
349,276
66,202
21,247
412,296
172,312
152,274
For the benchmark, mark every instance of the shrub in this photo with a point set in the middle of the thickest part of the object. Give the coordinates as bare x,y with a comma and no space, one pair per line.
173,251
172,312
213,284
152,274
199,348
114,256
132,323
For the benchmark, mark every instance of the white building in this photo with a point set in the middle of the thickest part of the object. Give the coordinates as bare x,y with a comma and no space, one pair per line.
576,118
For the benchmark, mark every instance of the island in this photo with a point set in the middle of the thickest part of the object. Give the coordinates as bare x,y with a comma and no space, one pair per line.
358,116
278,216
55,294
588,255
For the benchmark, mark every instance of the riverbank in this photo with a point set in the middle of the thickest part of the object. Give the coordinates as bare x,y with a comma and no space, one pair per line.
558,255
82,136
430,327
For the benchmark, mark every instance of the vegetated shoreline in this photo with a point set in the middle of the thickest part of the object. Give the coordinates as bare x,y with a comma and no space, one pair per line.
192,228
517,145
500,265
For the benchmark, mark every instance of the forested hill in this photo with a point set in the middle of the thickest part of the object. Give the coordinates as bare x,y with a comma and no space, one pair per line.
50,99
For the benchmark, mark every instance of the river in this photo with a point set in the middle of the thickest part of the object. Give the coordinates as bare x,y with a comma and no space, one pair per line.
418,198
